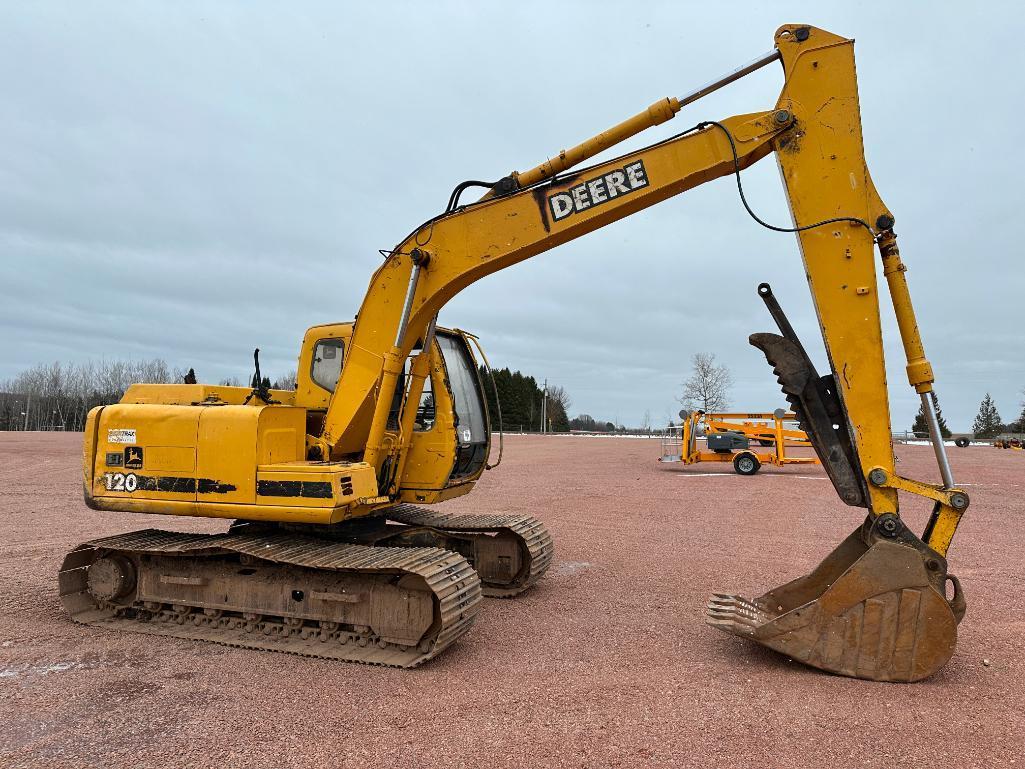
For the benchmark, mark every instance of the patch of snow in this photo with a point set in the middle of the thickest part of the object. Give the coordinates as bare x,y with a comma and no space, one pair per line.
41,669
564,568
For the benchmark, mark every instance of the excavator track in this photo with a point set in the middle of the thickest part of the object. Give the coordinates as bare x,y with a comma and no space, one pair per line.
394,606
510,552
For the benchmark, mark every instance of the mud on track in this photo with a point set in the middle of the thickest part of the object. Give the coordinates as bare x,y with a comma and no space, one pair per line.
607,663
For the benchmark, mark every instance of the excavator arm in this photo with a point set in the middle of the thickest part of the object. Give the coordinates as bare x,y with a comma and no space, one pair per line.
815,132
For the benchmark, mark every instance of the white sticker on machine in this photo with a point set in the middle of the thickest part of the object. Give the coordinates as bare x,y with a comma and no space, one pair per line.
120,435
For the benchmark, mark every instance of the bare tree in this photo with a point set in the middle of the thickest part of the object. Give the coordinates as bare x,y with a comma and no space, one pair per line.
558,394
708,387
286,381
58,396
646,422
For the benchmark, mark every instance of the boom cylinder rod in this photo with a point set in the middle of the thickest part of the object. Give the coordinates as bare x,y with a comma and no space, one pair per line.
418,374
730,77
407,306
657,113
393,365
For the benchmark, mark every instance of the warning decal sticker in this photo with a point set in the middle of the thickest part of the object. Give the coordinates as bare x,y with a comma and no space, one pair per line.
120,435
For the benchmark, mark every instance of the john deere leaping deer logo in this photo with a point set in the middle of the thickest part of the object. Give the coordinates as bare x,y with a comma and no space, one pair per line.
133,457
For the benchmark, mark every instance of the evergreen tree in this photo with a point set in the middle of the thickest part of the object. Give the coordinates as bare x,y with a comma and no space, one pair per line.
921,428
521,401
557,417
987,423
515,401
1018,426
583,422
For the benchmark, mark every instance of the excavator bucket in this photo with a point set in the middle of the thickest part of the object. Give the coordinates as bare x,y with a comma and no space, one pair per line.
875,608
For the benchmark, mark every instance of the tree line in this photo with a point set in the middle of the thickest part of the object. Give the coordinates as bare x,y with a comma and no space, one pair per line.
522,402
58,396
987,423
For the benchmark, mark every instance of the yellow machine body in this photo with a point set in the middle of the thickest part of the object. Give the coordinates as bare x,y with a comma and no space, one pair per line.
201,450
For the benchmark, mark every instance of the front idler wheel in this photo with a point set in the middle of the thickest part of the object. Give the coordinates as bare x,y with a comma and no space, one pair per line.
110,577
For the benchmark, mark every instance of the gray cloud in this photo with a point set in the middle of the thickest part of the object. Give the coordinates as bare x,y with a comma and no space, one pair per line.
193,180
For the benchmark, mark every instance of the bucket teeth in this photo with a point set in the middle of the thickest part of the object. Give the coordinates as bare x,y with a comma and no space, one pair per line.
736,604
734,614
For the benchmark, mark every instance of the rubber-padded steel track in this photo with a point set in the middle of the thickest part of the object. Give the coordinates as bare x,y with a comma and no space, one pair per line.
404,572
536,541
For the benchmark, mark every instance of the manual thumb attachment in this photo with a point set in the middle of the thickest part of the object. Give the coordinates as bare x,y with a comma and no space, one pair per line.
875,608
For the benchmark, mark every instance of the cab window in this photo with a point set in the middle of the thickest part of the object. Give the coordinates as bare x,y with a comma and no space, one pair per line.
471,424
425,413
327,362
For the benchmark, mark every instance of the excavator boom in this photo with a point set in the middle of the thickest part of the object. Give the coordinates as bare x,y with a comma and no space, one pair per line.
470,243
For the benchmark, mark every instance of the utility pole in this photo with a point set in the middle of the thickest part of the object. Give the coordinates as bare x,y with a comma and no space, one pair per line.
544,408
28,404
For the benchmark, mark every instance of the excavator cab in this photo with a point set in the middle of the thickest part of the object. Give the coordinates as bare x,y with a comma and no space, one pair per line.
450,438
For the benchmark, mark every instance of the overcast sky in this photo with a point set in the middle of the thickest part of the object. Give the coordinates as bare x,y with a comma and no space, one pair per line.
192,180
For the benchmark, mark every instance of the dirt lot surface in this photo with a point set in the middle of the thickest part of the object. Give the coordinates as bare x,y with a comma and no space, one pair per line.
607,663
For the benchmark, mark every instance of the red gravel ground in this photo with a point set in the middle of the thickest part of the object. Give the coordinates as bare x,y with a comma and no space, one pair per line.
606,663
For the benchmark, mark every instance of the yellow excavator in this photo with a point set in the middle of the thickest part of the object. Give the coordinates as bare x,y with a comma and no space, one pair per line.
332,554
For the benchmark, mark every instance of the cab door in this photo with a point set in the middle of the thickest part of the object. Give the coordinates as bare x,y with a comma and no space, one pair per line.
470,414
451,433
